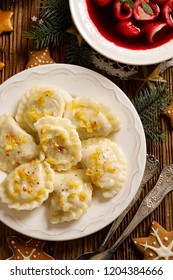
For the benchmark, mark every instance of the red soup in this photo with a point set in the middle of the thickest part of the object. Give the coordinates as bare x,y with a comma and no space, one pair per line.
138,24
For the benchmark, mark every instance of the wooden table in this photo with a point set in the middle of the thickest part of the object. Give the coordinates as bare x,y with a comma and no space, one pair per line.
15,57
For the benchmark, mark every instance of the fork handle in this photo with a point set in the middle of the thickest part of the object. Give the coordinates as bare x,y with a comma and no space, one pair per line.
151,201
151,167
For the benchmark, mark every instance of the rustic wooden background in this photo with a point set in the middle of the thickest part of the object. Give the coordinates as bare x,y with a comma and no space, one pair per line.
14,53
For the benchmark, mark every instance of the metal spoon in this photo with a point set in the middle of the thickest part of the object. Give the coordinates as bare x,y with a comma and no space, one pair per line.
151,201
151,167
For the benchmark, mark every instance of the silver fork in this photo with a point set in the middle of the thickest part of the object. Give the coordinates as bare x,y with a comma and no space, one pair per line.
152,165
151,201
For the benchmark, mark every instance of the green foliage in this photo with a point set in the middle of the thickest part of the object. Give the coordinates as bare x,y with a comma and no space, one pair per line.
150,104
78,55
56,20
46,34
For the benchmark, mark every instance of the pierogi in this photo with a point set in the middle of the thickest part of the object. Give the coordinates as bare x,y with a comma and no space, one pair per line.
91,119
27,186
105,163
16,146
71,197
59,141
40,101
71,154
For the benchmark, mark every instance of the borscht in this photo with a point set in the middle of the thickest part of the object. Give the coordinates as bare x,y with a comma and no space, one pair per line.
138,24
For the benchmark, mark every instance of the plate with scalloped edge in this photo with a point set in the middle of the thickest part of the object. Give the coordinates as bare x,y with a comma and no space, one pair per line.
78,81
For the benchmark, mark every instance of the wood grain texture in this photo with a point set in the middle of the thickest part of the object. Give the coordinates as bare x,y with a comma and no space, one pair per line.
15,57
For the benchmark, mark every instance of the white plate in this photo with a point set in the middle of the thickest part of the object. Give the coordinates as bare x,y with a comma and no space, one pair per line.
91,35
79,82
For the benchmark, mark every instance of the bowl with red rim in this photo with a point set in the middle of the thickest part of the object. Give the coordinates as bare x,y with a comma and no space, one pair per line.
136,32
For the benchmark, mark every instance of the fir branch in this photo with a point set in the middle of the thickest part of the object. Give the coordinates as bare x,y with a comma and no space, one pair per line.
78,55
56,20
47,34
149,104
55,10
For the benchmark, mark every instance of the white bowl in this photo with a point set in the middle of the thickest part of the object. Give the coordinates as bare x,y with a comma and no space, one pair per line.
91,35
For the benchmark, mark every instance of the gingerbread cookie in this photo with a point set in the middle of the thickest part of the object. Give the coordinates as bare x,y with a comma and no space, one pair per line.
30,250
2,65
39,58
5,21
158,245
168,112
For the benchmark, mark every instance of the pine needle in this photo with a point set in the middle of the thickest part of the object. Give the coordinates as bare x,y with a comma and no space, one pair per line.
57,12
78,55
150,104
47,34
56,20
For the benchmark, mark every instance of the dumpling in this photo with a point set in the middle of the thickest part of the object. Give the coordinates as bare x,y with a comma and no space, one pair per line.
59,141
39,101
91,119
105,164
27,186
16,146
71,197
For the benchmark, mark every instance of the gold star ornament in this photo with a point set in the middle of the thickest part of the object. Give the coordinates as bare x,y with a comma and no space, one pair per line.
148,75
158,245
5,21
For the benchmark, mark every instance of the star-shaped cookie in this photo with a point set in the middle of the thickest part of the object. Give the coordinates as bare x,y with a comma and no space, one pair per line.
39,58
168,112
158,245
30,250
5,21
